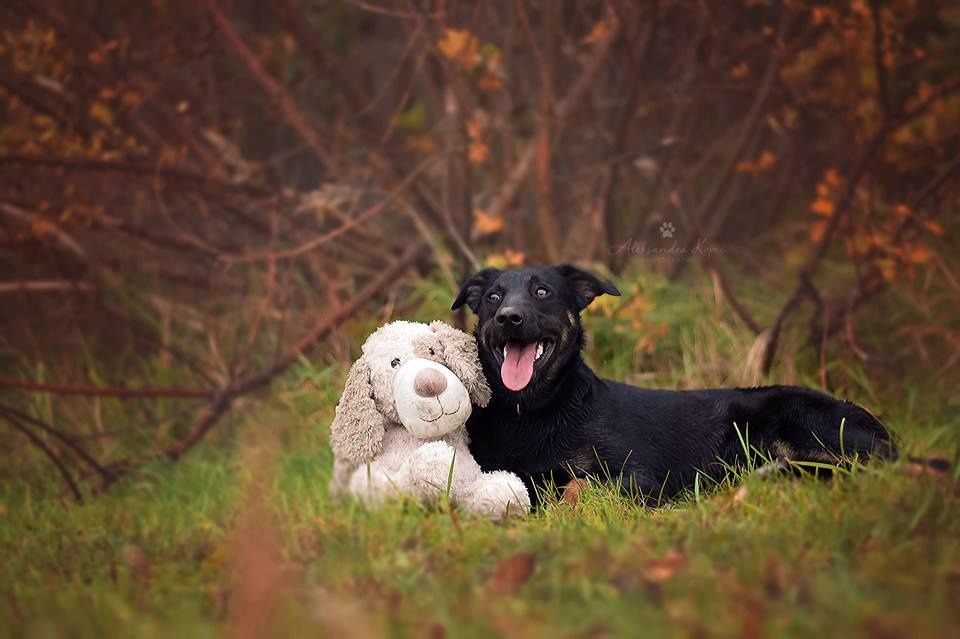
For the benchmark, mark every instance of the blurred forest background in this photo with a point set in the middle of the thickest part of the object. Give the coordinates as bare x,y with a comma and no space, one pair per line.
194,195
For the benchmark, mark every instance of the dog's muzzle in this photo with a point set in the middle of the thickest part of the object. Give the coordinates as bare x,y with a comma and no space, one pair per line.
431,401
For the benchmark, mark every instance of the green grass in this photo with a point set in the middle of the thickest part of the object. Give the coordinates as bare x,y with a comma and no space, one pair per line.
176,550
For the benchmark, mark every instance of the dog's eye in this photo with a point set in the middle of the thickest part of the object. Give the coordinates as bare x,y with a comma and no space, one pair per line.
431,351
541,293
395,362
494,297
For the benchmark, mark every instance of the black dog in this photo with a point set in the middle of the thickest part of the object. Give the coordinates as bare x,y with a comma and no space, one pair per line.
552,419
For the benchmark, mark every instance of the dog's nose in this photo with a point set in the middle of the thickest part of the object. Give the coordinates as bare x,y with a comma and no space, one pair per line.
509,314
429,383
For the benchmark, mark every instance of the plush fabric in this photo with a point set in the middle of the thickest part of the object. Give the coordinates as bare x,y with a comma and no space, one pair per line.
399,425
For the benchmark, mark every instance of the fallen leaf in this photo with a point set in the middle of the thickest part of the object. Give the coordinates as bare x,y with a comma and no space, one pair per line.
919,255
933,227
822,206
131,98
888,269
740,496
489,83
767,160
599,32
817,230
572,490
511,573
902,210
508,259
101,113
662,570
460,46
740,71
514,258
421,143
485,224
138,562
478,152
776,580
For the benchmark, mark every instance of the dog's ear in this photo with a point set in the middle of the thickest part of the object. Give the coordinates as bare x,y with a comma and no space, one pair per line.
474,287
459,354
585,286
356,435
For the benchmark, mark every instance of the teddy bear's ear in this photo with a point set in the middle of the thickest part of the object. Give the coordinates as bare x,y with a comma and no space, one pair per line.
459,353
356,434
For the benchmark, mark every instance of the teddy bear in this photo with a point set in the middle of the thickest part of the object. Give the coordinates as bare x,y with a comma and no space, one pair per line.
399,426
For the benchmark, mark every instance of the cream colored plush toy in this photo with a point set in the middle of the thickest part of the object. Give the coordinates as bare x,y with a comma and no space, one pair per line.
399,426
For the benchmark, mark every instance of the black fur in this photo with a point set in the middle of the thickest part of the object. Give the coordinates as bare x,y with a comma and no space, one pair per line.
567,422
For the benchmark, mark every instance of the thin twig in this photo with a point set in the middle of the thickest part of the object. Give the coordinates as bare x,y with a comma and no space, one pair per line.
564,108
35,220
728,294
103,391
707,206
44,286
63,437
353,223
288,105
46,450
131,167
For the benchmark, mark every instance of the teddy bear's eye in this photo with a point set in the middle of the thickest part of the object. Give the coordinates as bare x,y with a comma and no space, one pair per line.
395,362
431,351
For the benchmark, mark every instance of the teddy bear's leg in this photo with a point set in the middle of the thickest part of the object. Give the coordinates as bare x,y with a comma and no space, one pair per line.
497,495
373,485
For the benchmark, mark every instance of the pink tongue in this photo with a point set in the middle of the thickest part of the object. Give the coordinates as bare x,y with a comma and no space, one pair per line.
517,368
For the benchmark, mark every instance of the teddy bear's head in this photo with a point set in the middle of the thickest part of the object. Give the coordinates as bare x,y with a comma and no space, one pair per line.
423,377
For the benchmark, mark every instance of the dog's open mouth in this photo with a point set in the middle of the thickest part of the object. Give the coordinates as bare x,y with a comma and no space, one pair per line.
519,360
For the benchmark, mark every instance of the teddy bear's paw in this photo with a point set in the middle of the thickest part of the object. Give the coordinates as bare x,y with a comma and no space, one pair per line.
499,495
373,485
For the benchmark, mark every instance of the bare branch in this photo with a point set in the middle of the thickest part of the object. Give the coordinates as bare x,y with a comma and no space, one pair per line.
352,224
132,167
44,286
291,111
63,437
223,400
564,108
96,391
39,222
48,452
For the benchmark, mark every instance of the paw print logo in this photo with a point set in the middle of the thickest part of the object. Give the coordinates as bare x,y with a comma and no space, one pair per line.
667,229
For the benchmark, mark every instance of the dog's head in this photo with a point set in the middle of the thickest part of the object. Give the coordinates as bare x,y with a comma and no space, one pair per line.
423,377
529,323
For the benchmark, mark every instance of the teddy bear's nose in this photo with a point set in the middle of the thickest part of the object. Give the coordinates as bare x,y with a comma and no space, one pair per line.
429,383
